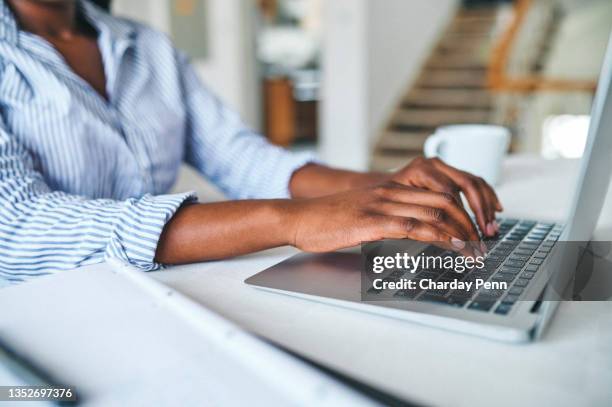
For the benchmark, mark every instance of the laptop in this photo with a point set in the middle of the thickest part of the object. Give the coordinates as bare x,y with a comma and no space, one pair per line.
537,260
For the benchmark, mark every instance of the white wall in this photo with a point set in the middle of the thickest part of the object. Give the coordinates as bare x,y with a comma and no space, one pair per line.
401,35
230,70
344,85
372,50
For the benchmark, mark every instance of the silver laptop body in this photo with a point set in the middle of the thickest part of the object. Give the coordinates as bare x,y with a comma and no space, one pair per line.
335,278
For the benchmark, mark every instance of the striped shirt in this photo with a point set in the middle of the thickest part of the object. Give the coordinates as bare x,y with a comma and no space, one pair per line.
84,178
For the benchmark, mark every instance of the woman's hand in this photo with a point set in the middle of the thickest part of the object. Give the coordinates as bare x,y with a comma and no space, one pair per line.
432,174
390,210
435,175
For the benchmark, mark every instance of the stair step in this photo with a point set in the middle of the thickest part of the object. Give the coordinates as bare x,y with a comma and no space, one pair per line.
466,99
478,12
479,53
461,20
457,61
470,27
402,141
474,38
411,128
452,78
435,118
452,45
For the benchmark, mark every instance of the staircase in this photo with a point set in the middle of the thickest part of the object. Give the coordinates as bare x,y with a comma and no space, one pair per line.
451,88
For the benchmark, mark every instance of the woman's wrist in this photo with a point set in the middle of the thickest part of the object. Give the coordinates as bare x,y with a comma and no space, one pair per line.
315,180
368,179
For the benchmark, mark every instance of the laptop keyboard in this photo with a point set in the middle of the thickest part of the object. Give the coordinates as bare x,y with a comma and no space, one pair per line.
515,256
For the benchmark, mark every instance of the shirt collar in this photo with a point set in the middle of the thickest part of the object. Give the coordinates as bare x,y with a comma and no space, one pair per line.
117,28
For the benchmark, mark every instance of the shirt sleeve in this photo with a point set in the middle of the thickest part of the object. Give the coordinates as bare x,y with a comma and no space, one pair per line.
242,163
42,231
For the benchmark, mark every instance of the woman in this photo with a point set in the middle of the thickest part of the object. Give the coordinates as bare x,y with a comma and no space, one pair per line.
97,113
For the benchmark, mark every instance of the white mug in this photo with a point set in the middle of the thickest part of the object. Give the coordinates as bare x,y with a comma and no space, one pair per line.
475,148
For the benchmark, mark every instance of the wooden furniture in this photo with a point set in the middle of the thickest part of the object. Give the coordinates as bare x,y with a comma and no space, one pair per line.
280,112
288,117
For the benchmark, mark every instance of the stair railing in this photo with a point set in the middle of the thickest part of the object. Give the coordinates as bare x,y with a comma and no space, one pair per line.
527,17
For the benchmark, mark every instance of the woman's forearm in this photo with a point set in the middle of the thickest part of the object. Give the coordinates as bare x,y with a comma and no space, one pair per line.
199,232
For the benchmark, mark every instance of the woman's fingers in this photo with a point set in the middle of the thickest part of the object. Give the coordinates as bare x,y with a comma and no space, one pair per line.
490,204
415,229
494,198
479,194
437,181
442,201
433,216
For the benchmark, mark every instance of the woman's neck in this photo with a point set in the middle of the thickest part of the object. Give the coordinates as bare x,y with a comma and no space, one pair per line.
47,18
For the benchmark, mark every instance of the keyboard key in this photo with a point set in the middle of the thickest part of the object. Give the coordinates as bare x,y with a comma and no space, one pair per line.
407,294
515,263
466,295
528,274
521,282
536,262
503,309
510,299
477,276
542,228
506,244
510,269
456,300
515,290
428,275
532,268
515,237
490,294
397,274
503,277
452,276
439,292
519,257
481,305
429,297
540,255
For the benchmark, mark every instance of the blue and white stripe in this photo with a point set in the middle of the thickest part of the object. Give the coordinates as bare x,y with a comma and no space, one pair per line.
83,178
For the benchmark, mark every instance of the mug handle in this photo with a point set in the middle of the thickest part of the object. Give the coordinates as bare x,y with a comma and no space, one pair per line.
432,145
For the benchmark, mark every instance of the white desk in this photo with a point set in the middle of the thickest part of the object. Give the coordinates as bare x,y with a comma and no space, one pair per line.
572,365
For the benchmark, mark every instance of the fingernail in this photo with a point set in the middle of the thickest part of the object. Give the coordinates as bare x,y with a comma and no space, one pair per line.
490,229
457,243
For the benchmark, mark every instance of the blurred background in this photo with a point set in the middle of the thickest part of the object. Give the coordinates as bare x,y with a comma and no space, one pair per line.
365,82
